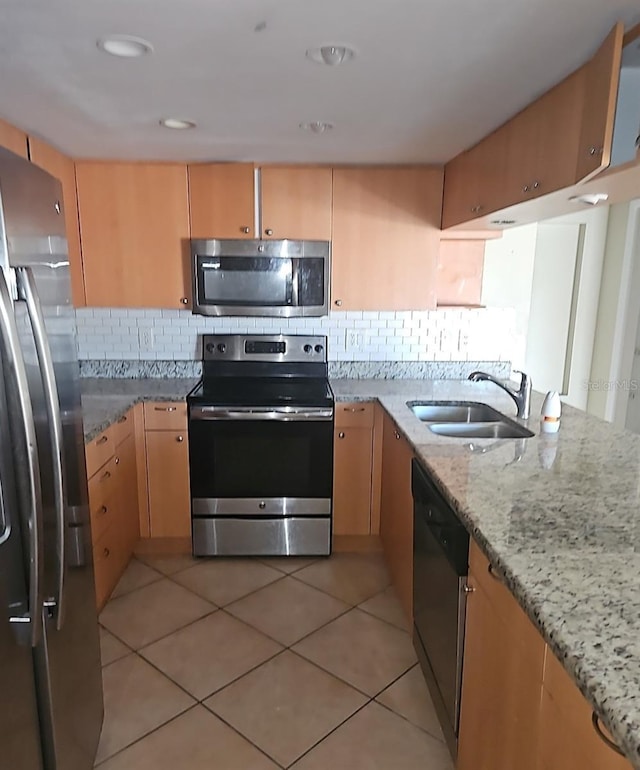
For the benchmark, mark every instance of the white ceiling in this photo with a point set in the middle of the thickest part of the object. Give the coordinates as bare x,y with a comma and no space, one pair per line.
430,77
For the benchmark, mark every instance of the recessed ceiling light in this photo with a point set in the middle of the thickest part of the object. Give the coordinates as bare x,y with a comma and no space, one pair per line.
591,198
317,126
331,55
177,123
126,46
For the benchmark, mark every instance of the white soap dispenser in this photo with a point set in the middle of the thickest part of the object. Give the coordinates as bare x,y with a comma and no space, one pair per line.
550,414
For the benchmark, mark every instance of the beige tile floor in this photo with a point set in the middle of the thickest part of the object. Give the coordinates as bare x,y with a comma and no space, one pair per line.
259,664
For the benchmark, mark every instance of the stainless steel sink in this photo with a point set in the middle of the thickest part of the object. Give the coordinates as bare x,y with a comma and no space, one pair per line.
454,411
501,429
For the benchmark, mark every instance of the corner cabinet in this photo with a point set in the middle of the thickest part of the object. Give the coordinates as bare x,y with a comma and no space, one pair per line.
385,238
62,167
134,225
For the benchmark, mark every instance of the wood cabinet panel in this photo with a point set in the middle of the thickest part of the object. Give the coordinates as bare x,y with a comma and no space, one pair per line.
222,200
296,202
63,168
12,138
165,415
168,481
356,414
568,740
385,237
602,77
104,498
352,462
502,680
109,562
460,268
134,224
396,512
98,451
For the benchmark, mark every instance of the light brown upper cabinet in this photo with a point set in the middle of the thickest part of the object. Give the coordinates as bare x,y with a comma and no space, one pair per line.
134,224
12,138
221,200
62,167
602,76
385,237
296,202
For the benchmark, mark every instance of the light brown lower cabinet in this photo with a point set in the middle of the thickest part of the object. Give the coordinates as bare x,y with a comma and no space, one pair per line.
167,451
519,707
113,503
353,468
396,512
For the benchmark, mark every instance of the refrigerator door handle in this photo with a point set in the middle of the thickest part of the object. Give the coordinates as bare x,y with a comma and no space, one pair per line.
16,367
28,292
4,518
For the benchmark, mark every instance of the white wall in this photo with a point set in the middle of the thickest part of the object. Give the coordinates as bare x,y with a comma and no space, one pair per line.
439,335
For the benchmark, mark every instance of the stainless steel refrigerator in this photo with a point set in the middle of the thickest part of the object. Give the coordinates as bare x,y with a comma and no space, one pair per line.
50,679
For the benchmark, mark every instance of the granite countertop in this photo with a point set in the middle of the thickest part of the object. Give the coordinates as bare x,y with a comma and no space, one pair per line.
558,515
105,400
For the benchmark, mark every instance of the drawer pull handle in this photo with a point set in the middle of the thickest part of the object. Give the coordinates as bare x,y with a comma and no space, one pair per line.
102,510
102,440
123,418
353,409
117,461
468,589
595,721
106,475
164,408
180,439
341,434
492,571
106,553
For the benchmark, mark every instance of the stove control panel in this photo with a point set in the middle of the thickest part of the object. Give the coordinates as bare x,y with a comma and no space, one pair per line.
294,348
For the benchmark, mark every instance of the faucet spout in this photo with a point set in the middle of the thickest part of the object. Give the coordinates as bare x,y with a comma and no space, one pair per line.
521,396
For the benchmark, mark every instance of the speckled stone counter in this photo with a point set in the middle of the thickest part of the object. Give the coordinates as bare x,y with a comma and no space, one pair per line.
559,516
105,400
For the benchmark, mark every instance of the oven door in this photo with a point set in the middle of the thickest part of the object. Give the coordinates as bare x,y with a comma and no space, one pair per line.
259,474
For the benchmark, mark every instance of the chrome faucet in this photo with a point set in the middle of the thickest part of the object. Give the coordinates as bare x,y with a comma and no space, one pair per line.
522,396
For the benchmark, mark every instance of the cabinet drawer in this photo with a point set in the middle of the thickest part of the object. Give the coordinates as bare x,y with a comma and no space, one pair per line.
104,494
98,451
108,562
165,415
356,415
122,428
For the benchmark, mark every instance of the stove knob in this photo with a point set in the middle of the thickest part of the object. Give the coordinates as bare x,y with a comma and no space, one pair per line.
319,348
222,347
307,349
210,347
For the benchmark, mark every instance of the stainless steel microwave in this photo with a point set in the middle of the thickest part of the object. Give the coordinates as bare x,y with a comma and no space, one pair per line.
260,278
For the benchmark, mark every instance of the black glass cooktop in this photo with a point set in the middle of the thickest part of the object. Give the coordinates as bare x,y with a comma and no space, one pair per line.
268,391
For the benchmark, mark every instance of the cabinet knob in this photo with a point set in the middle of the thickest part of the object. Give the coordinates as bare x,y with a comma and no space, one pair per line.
341,434
57,207
476,209
244,230
468,589
268,231
184,300
354,409
117,461
123,418
102,510
593,150
106,553
338,302
535,185
180,439
102,440
396,434
525,188
106,475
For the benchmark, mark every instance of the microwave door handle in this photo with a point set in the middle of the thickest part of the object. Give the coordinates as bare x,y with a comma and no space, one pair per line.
294,282
28,292
16,368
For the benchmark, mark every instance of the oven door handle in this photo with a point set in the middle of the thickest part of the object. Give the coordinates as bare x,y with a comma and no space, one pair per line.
282,414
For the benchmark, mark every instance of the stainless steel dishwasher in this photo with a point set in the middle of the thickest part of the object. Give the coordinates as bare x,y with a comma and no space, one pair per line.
440,568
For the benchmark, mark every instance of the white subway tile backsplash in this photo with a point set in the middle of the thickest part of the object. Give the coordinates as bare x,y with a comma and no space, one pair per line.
437,335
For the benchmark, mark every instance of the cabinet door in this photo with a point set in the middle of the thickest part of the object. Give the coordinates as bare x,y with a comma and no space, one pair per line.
385,238
568,740
502,679
168,480
602,76
62,167
12,138
296,202
222,200
134,224
352,459
396,513
128,490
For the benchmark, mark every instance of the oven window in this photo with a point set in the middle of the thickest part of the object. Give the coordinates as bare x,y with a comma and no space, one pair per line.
260,459
245,281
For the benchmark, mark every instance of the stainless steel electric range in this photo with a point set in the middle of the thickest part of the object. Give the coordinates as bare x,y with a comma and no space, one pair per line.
261,447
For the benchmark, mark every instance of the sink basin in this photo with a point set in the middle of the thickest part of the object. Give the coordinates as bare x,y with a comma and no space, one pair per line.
454,411
493,429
